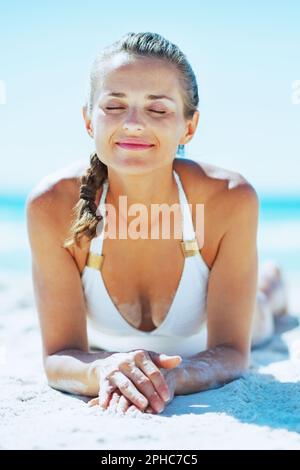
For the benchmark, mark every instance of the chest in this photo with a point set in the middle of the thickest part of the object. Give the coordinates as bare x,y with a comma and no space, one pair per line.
141,278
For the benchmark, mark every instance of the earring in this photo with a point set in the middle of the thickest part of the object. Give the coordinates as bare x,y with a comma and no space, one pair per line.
181,150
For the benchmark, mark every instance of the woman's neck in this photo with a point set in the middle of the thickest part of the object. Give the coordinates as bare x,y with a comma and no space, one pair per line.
155,187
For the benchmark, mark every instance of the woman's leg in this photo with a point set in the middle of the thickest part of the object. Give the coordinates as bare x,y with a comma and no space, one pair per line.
272,284
271,301
263,326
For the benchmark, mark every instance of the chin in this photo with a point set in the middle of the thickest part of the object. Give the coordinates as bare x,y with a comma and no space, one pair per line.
134,165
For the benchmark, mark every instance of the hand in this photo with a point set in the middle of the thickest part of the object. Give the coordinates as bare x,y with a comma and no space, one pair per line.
170,377
137,376
119,404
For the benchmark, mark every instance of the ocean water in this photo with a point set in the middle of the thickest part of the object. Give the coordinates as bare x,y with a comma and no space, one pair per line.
278,233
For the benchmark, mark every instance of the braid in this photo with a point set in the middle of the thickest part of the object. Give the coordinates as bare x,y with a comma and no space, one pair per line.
86,220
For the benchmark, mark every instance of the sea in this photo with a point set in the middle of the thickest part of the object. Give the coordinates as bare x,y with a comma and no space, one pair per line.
278,236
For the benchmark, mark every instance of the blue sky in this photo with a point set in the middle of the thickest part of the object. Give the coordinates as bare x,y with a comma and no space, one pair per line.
246,57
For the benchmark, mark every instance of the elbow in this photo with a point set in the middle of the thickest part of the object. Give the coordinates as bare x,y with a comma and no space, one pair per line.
238,361
246,361
242,362
62,376
238,358
50,370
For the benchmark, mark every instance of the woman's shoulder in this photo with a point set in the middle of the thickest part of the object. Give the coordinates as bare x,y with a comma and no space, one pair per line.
225,195
64,179
55,196
212,184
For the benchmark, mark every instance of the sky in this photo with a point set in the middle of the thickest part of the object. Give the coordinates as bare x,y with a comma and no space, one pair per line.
245,55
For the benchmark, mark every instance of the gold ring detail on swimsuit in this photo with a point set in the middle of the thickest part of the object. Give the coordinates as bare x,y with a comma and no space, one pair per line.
95,261
189,247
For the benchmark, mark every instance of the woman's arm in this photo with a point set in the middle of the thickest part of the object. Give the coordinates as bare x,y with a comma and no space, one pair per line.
74,371
208,369
68,364
230,301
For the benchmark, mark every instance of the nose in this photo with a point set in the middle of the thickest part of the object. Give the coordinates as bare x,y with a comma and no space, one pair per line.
133,121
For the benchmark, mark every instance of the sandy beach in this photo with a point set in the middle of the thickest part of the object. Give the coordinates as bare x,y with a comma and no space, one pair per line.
259,411
217,83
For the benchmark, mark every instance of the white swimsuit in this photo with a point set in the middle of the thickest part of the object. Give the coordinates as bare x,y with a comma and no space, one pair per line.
183,331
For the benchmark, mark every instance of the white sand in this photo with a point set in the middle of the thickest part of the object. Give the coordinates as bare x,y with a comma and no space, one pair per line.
259,411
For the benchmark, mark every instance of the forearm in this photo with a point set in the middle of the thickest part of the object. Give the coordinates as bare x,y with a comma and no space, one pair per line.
209,369
74,371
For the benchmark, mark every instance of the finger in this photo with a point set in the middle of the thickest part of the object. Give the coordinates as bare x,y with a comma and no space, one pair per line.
123,405
147,366
149,410
128,389
164,360
113,403
93,402
144,385
105,392
133,410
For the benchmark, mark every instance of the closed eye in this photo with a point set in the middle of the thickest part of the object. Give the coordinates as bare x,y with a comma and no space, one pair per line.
154,111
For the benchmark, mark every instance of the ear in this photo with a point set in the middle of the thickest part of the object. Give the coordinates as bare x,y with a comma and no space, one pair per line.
87,121
191,127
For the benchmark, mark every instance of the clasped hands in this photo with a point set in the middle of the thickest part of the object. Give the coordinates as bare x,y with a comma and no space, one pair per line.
136,381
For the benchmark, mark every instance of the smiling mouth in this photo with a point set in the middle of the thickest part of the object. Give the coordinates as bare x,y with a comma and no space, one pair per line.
135,146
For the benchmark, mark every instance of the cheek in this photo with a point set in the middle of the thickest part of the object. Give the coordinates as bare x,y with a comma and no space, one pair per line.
103,128
102,119
168,126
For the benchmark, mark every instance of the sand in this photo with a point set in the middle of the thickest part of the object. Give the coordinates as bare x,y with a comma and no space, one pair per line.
259,411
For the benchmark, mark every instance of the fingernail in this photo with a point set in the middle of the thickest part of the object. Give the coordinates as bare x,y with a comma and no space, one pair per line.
142,402
163,356
167,356
159,408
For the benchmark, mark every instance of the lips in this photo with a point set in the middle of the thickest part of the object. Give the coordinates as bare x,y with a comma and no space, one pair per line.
134,145
134,140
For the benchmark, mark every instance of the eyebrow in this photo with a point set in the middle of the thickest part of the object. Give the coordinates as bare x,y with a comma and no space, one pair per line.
148,97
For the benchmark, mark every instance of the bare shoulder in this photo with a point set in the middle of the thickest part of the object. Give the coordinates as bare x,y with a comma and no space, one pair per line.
217,186
229,200
64,178
53,198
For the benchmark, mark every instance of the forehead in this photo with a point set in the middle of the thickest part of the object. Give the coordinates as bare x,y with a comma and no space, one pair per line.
139,75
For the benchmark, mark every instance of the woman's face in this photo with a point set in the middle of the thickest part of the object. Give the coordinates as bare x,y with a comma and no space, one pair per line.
135,114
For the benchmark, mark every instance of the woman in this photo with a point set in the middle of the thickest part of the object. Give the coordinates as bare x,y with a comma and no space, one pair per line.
149,301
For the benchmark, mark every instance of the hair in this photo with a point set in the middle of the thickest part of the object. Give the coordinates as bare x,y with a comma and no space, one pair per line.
147,44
